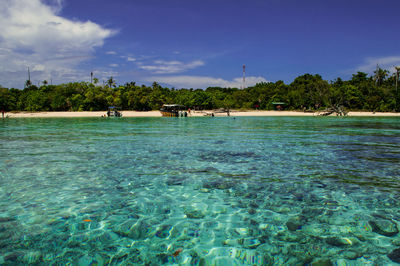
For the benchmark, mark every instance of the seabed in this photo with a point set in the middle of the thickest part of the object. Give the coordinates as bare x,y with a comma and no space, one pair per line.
223,191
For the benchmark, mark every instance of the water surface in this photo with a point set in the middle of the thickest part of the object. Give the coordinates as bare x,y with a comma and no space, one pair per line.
199,191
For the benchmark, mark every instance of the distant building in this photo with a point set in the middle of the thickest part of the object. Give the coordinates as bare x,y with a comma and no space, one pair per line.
278,106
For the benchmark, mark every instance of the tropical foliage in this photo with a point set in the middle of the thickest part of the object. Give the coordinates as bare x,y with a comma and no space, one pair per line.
306,92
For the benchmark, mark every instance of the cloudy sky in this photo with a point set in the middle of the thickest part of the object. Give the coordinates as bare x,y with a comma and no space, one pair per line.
195,43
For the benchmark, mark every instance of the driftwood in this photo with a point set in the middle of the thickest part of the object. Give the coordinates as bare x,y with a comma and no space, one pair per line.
339,110
219,111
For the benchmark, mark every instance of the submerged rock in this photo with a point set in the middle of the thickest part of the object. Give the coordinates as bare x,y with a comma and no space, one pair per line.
219,184
339,241
252,211
351,255
123,228
384,227
312,212
87,260
164,231
395,255
106,237
254,205
176,181
121,257
290,237
5,235
248,243
3,244
231,242
322,262
194,214
251,243
331,204
32,257
295,223
138,230
263,239
242,257
13,257
293,226
396,242
242,231
6,219
163,257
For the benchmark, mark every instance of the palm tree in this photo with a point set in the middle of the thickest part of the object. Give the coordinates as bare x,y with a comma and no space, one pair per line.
380,75
111,82
28,83
155,85
130,84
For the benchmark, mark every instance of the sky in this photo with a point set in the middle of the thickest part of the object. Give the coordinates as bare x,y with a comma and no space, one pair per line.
195,43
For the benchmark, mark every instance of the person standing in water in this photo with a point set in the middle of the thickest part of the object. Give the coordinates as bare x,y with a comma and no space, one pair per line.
2,113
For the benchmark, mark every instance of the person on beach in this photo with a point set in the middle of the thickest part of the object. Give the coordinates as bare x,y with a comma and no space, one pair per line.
2,113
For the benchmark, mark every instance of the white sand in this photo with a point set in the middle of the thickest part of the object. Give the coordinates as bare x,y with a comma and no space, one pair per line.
81,114
192,114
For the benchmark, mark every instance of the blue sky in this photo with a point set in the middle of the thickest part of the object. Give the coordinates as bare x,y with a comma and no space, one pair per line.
193,43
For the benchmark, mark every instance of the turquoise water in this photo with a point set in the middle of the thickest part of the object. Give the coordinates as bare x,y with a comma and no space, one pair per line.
199,191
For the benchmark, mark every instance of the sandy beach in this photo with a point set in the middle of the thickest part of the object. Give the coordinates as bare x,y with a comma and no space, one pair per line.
192,114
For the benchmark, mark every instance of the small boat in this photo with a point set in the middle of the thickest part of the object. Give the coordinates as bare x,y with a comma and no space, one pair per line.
113,112
173,110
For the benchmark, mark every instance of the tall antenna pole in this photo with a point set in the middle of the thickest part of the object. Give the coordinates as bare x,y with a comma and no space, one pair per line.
244,77
28,82
91,77
377,74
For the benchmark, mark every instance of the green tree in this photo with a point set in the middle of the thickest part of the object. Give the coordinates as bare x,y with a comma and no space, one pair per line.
311,91
28,83
111,82
361,92
77,102
5,99
380,76
36,100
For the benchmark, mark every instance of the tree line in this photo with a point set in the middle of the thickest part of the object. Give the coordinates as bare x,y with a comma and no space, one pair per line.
307,92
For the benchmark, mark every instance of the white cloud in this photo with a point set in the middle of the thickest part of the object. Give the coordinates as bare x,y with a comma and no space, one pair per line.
170,67
387,63
111,52
34,35
55,5
114,65
130,59
204,82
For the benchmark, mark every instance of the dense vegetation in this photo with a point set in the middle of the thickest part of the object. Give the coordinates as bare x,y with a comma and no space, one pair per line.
306,92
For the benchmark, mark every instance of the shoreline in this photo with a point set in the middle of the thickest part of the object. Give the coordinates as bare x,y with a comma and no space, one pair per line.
192,114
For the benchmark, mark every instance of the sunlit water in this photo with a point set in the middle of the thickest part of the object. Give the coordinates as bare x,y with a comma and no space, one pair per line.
199,191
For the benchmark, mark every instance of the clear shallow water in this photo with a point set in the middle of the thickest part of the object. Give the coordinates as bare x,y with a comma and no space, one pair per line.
199,191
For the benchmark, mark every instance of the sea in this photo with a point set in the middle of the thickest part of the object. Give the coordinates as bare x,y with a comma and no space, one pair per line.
200,191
